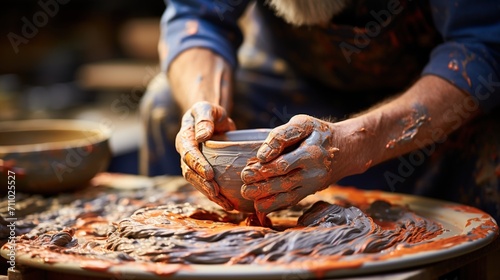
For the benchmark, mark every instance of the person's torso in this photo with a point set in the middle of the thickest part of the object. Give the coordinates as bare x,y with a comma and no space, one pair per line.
373,45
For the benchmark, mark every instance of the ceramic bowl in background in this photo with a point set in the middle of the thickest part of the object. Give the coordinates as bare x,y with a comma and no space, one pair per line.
228,154
51,156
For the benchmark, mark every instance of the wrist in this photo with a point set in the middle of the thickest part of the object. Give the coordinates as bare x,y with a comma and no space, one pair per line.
353,140
199,74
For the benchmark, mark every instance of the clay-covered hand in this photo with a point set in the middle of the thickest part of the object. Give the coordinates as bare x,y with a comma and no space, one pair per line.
296,160
199,123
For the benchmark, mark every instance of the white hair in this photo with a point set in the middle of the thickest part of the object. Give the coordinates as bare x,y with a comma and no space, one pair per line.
307,12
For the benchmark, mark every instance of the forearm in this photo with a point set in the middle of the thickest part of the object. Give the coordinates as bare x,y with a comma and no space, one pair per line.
198,74
426,113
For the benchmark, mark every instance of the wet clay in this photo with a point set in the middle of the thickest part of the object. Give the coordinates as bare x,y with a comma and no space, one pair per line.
228,154
161,231
191,235
411,125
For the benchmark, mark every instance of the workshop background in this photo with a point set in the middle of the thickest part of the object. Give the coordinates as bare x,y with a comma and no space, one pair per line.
80,59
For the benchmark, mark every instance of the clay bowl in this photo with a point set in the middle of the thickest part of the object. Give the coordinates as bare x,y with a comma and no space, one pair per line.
228,154
51,156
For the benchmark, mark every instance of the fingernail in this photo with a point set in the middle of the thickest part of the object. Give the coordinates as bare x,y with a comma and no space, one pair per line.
250,192
208,172
246,175
264,152
210,189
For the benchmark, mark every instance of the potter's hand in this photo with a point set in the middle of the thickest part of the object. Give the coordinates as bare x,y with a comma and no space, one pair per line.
198,125
281,178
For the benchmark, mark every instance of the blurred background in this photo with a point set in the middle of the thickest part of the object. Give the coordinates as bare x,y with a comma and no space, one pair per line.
80,59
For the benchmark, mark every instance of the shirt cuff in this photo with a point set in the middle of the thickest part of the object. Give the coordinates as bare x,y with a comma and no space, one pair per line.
190,33
471,68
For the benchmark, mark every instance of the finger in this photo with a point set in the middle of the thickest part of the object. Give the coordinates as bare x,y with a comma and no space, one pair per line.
208,188
209,117
187,147
281,200
226,124
204,121
272,186
298,128
199,182
282,165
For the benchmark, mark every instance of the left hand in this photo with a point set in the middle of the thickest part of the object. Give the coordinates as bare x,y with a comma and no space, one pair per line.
281,178
198,125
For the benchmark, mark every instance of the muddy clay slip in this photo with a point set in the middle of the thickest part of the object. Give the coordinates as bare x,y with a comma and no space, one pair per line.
150,233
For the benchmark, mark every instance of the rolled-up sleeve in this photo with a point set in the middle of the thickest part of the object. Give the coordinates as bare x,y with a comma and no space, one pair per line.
469,56
210,24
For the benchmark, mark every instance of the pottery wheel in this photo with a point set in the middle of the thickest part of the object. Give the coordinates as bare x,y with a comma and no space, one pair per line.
148,231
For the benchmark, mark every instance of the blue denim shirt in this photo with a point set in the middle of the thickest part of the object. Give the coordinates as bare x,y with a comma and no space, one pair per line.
381,45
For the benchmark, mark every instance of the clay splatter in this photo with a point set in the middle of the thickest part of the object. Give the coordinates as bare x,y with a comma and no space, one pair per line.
411,125
163,231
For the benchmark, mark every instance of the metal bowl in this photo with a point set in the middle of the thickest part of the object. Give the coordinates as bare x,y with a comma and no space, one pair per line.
228,154
50,156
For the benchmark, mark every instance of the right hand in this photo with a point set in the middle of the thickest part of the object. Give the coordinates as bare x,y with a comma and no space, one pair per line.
199,123
279,178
